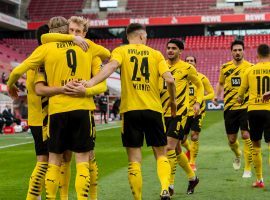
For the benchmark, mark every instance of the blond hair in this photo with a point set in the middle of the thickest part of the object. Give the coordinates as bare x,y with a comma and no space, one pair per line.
80,21
58,25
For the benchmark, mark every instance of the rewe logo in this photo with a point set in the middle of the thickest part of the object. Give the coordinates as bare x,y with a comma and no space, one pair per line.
255,17
215,18
140,20
99,22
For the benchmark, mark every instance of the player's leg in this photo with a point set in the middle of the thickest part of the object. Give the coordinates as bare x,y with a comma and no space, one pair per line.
247,143
232,126
132,139
93,176
82,143
134,171
186,142
38,175
93,164
183,162
57,144
82,181
256,124
172,132
52,178
65,172
154,129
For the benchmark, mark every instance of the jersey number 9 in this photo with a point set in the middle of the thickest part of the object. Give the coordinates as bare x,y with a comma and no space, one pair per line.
71,61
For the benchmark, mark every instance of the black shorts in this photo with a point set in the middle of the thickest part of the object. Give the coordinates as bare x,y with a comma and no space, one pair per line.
235,119
175,126
193,124
73,130
140,123
259,124
41,146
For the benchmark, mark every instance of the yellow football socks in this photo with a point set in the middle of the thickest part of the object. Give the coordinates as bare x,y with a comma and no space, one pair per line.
52,180
93,179
37,180
257,161
248,154
82,182
135,179
65,172
182,160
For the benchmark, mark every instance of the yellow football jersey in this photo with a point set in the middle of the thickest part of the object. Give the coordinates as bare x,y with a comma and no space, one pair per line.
141,67
230,76
257,80
37,105
63,61
193,94
183,73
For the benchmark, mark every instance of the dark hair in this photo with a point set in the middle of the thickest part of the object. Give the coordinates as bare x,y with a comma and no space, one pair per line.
237,42
40,31
134,27
195,60
263,50
177,42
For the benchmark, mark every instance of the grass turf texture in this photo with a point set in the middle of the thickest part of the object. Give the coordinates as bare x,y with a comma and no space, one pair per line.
218,180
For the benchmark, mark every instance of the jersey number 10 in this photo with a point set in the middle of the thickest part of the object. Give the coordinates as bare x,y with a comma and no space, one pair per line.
263,84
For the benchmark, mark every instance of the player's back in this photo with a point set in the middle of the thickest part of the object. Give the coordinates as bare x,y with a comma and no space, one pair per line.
259,83
141,67
64,61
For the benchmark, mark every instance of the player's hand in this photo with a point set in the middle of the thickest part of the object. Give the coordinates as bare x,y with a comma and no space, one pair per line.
13,91
239,100
266,96
196,108
87,84
79,41
215,101
75,89
172,104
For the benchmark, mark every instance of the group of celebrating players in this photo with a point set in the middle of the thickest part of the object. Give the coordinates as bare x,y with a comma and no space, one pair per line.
161,101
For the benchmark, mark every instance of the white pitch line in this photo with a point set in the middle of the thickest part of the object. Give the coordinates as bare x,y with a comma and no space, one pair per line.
18,144
13,145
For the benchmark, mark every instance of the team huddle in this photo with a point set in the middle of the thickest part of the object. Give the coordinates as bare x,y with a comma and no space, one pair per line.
161,101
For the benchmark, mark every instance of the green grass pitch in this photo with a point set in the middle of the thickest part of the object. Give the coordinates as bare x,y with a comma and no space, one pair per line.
218,180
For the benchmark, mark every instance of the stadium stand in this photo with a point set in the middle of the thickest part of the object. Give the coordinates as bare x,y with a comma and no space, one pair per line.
147,8
211,51
259,9
39,10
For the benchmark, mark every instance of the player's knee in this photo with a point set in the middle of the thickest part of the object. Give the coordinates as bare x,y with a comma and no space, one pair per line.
245,135
195,136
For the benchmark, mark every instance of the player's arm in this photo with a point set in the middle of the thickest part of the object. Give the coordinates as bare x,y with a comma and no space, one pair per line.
208,89
193,77
108,69
168,78
99,51
58,37
41,87
100,87
219,87
243,87
32,62
77,88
